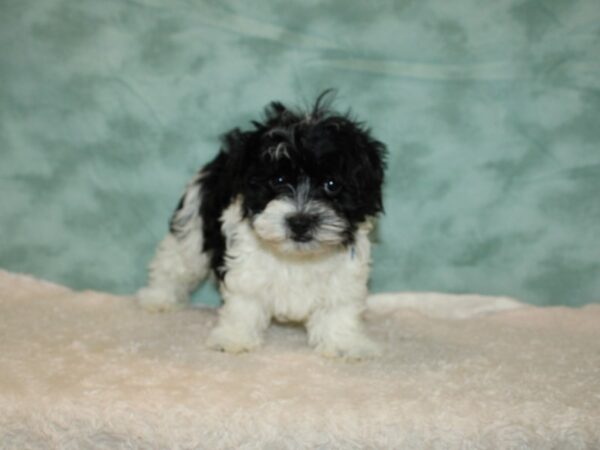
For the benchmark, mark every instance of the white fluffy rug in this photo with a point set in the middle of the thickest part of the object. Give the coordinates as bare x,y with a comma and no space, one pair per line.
90,370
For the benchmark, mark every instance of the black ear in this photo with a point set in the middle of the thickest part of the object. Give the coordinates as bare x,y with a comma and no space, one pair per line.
369,173
221,180
218,183
237,150
223,177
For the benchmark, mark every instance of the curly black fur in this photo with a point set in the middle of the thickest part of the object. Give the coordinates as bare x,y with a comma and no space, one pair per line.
332,155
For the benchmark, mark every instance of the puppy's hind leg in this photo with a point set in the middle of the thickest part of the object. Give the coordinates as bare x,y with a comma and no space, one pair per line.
179,263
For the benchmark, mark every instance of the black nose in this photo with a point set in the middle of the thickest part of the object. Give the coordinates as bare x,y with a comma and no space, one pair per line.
300,225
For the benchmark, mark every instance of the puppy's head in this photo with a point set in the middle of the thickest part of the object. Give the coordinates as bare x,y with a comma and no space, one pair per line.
307,180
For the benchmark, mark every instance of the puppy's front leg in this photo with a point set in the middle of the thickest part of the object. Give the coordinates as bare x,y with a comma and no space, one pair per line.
338,332
242,323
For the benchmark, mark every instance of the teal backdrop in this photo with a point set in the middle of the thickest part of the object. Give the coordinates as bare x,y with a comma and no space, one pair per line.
490,110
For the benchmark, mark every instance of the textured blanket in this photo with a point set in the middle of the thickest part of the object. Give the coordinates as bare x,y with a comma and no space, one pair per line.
91,370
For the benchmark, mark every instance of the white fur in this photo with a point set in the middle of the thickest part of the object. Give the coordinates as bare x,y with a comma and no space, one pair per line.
270,225
325,291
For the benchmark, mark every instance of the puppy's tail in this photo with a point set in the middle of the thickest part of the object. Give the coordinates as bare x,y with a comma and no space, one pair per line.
179,263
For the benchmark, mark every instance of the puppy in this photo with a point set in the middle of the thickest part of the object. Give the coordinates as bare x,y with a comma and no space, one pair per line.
282,218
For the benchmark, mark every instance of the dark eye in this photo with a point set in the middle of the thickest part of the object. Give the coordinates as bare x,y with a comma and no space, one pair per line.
332,187
278,181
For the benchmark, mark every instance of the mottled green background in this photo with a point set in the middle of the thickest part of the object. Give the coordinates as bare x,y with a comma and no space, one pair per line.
491,111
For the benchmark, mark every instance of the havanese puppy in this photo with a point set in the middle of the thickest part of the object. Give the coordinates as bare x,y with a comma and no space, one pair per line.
282,217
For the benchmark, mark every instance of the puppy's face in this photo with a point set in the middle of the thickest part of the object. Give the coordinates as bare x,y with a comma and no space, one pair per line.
309,181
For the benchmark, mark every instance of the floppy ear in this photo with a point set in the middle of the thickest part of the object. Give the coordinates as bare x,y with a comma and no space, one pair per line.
237,150
215,186
222,178
374,166
220,181
368,174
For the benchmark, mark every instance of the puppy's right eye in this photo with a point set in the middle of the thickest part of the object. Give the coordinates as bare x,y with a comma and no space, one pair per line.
332,187
278,181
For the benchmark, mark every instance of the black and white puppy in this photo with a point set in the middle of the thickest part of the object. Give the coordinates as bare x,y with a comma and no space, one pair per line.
282,216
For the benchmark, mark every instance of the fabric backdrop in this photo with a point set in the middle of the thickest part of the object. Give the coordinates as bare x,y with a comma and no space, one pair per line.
490,110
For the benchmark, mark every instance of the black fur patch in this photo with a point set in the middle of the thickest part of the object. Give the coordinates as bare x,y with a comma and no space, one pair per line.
333,154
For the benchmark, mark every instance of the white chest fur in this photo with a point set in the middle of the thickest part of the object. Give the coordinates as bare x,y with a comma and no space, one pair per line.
291,286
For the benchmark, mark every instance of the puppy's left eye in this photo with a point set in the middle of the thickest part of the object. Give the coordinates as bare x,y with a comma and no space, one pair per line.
332,187
278,181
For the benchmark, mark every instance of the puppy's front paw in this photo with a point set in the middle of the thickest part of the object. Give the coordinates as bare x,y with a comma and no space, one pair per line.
158,300
232,340
353,349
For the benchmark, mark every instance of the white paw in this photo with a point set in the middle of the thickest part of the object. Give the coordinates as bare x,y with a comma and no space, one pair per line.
232,340
354,349
159,300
